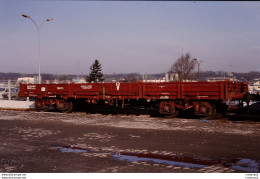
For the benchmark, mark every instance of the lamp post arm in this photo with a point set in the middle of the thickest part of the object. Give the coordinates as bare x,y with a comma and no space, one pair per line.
34,23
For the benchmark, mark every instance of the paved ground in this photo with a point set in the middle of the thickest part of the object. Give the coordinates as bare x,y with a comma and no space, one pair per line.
55,142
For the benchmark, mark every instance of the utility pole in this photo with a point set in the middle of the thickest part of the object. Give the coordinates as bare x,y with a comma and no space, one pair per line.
39,38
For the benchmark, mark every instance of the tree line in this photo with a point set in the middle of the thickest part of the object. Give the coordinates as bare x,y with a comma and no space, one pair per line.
183,66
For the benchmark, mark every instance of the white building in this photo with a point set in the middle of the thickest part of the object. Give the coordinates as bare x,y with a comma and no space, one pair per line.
254,87
171,76
26,80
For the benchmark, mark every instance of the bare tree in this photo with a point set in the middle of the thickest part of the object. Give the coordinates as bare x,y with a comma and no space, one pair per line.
184,67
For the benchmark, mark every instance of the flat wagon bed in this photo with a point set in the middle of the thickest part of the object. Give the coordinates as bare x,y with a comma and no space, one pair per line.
205,98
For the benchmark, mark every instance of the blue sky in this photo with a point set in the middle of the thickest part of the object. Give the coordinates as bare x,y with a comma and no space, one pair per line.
130,36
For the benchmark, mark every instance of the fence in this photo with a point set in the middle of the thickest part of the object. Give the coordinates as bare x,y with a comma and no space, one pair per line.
9,98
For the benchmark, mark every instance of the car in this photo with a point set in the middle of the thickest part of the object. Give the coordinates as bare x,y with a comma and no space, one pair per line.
14,93
2,91
253,109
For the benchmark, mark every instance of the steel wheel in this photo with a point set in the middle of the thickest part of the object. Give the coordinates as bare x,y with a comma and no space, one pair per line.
41,106
168,110
65,107
207,111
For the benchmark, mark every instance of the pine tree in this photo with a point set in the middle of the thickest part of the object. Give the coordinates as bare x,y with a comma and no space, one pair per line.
95,74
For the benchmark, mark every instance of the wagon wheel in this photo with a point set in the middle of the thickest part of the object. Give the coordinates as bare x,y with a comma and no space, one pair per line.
40,106
67,107
45,109
168,109
207,111
174,113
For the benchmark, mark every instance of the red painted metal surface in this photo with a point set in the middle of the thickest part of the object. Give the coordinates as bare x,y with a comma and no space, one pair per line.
204,98
222,90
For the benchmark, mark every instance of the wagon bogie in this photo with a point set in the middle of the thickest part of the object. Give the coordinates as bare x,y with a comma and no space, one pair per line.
168,109
205,110
40,105
64,105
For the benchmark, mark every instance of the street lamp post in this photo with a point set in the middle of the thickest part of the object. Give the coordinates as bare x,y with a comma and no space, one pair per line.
198,62
39,38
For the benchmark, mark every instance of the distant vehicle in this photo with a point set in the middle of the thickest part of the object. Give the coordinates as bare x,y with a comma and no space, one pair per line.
14,93
253,109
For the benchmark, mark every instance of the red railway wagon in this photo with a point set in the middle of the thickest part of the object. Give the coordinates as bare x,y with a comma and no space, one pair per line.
168,98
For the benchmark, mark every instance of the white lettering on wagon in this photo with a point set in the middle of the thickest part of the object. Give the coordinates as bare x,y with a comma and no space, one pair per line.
60,88
86,86
202,97
164,97
31,86
117,86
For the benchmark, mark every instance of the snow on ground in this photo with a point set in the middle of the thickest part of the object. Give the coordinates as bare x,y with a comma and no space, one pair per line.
12,104
138,122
